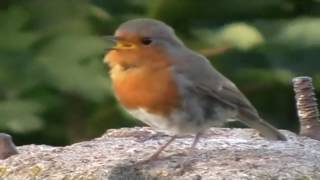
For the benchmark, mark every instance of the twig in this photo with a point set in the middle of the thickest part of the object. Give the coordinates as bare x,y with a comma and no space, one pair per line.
214,51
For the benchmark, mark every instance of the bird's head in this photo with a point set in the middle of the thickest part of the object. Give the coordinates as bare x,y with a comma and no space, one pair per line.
141,41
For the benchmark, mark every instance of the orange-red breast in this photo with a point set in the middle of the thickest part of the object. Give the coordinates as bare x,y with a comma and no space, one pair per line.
161,82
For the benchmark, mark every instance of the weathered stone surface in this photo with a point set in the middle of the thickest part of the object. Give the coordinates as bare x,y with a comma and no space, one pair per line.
7,147
221,154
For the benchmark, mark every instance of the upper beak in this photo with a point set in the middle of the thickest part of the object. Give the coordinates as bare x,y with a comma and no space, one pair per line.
111,39
119,43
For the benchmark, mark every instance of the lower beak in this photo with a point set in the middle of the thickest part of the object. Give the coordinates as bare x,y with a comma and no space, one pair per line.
112,48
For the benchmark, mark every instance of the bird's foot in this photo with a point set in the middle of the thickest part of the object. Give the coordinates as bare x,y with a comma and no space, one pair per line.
185,165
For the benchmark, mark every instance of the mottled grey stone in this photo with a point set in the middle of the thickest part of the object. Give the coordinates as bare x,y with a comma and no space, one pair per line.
222,154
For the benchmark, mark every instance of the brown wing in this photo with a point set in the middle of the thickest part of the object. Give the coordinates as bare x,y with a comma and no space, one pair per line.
206,80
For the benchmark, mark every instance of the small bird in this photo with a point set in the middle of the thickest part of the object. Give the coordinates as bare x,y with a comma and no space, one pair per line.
171,88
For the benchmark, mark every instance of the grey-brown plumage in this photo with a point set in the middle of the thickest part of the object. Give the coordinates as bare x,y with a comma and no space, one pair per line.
208,82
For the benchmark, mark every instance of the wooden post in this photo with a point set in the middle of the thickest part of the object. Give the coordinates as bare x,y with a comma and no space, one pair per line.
307,107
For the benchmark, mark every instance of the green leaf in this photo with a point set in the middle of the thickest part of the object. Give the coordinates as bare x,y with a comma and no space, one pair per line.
74,64
300,33
12,35
20,115
239,35
266,76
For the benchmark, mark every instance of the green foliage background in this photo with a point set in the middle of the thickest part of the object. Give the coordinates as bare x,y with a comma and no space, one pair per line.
54,88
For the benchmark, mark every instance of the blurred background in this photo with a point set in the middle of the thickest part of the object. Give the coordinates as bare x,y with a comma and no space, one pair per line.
54,88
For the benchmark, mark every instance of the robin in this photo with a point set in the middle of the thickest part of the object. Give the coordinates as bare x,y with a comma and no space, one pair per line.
171,88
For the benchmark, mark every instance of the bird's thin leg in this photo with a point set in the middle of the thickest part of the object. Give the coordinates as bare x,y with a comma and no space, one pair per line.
161,148
196,140
156,154
191,158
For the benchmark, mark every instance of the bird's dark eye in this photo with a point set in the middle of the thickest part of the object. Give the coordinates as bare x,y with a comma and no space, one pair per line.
146,41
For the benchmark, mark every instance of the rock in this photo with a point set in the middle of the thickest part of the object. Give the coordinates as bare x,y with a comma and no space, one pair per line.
222,154
7,147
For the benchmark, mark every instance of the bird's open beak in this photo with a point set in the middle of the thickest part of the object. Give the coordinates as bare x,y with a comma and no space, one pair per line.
110,39
119,43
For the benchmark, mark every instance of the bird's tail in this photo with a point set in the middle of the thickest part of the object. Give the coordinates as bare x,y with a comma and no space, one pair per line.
266,129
